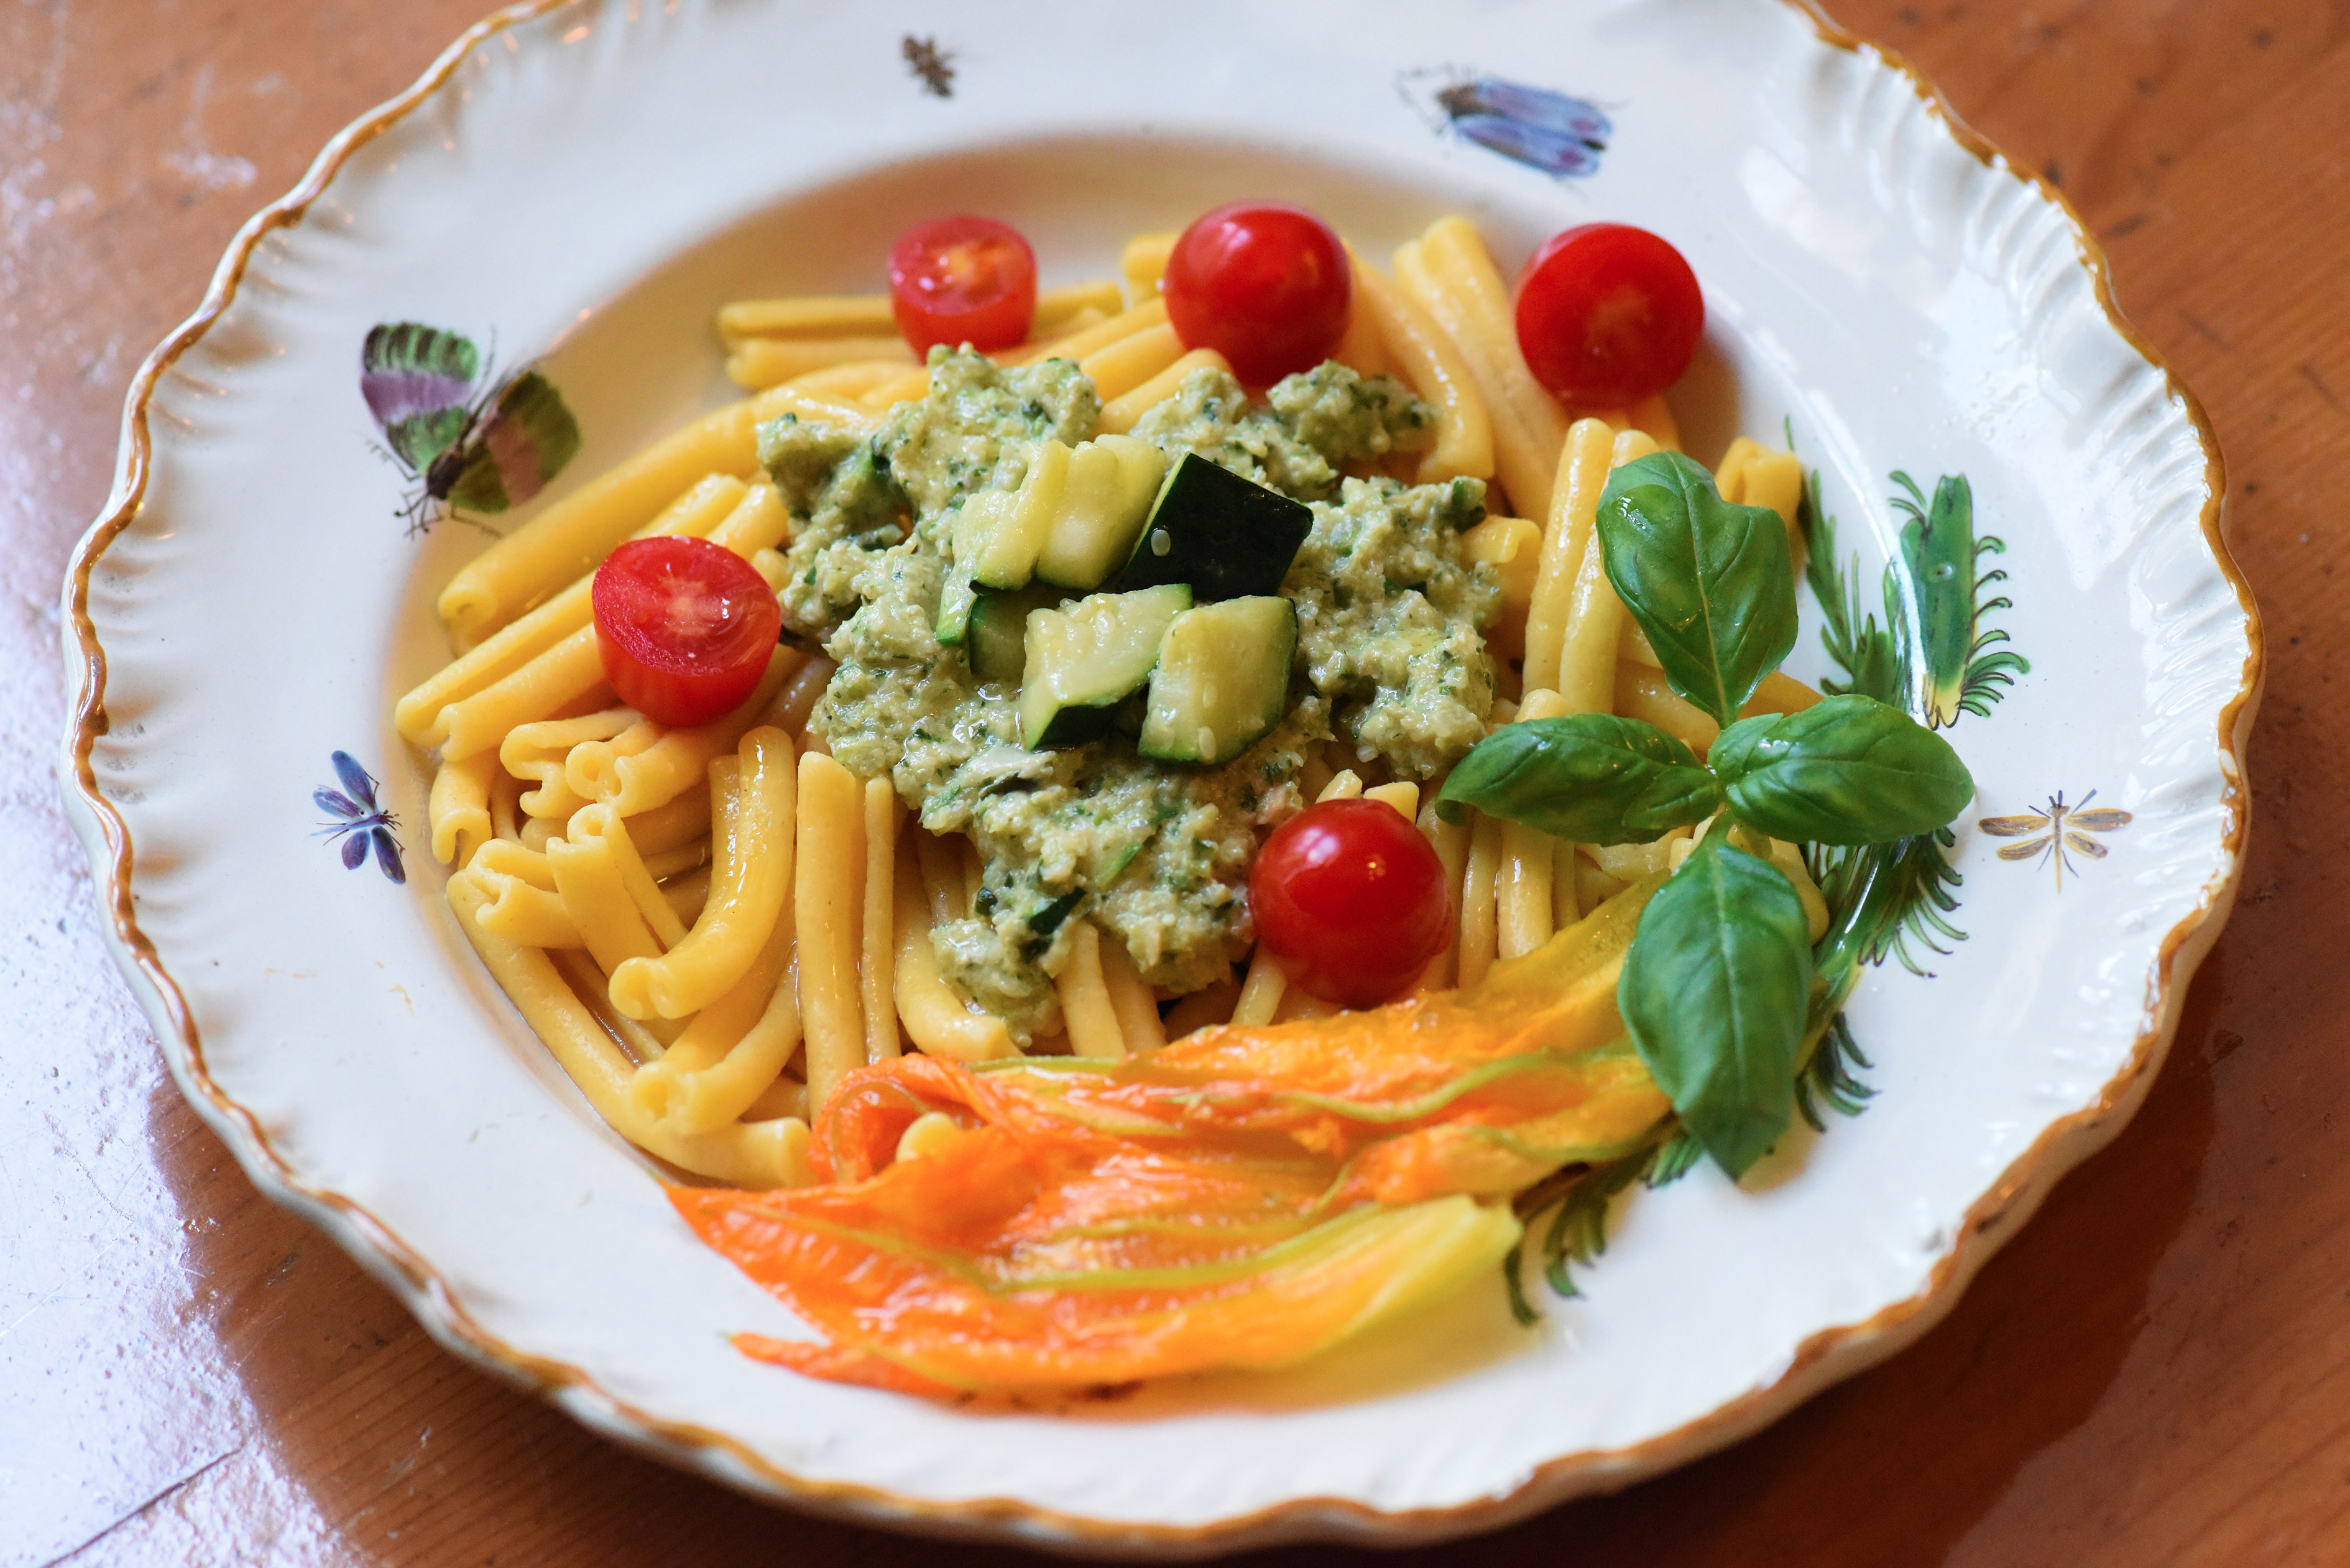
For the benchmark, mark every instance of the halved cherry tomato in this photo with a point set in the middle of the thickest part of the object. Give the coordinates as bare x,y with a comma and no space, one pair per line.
962,279
1267,287
1607,314
1351,899
685,627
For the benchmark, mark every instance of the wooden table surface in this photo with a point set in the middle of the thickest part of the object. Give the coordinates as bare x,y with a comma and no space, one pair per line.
2155,1370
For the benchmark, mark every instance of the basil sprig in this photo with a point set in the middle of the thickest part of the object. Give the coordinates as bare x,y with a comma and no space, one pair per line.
1715,991
1717,988
1590,777
1847,770
1710,581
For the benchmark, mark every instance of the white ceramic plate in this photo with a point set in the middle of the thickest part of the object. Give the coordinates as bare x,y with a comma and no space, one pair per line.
584,184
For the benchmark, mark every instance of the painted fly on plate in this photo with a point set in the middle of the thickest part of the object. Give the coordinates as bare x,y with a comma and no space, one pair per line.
2064,831
1537,127
932,64
467,451
360,822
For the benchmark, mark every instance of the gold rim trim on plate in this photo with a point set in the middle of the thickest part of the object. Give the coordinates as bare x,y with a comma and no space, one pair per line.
1833,1353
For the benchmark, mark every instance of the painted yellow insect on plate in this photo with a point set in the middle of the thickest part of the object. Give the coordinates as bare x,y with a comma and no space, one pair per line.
2062,831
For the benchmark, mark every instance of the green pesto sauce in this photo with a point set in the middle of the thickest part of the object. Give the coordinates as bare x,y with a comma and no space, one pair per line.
1390,657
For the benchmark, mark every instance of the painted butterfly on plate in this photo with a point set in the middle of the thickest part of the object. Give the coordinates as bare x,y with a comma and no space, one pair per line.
468,451
1535,126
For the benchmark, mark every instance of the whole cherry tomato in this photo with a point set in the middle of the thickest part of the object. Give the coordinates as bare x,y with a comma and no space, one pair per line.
1607,314
1269,287
685,627
962,279
1351,899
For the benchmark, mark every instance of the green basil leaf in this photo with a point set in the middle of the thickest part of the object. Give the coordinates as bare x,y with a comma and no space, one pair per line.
1710,581
1847,770
1715,992
1590,777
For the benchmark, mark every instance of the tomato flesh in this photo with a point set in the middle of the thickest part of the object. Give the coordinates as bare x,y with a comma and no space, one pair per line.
1607,314
1351,900
1269,287
962,279
685,627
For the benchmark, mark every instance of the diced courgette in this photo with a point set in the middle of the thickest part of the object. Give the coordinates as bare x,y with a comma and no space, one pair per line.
1226,536
1071,523
1107,491
997,646
1222,681
1085,658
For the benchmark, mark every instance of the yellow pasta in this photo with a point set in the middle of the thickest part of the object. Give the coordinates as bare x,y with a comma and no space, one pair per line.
746,1154
687,896
1653,418
1567,540
905,387
569,537
935,1015
640,779
1260,993
1086,1010
758,522
595,896
758,363
851,381
459,808
1513,547
1435,369
1479,933
734,1051
637,879
1730,473
827,908
681,821
534,753
1144,261
815,316
1122,414
1119,367
753,833
880,945
419,715
1642,693
1138,1010
1596,617
1525,915
1450,274
1146,317
516,910
508,859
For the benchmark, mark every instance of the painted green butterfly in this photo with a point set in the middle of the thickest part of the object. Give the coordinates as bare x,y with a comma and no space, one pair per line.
466,452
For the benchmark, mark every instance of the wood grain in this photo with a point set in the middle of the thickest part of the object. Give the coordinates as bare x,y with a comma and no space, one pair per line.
2157,1370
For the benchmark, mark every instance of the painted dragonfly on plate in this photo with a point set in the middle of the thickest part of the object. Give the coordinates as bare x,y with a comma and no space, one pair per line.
2061,831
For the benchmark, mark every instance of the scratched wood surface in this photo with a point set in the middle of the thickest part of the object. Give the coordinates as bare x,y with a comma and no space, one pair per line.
2157,1370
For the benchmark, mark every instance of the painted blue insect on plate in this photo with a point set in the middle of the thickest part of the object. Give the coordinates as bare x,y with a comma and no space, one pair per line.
359,823
1543,128
466,452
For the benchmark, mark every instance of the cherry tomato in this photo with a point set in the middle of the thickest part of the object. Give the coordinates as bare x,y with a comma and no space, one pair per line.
1268,288
1607,314
1351,899
962,280
685,627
